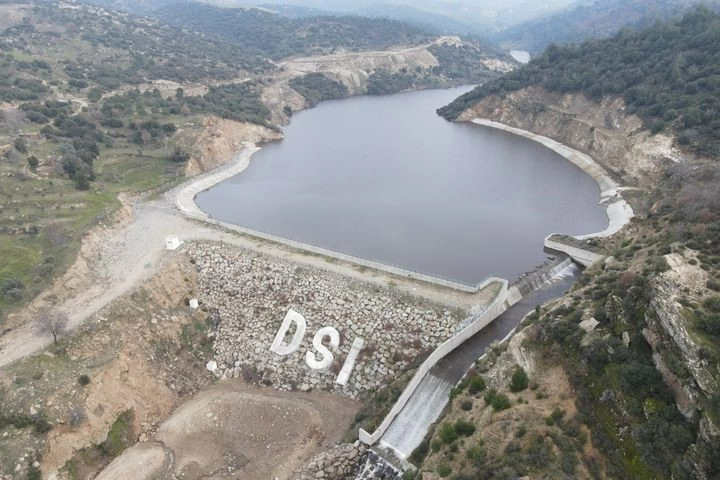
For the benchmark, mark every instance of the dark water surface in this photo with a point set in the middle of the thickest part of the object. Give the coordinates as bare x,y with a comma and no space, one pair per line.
386,179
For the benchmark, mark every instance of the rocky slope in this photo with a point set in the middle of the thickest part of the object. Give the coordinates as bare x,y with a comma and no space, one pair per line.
605,131
646,301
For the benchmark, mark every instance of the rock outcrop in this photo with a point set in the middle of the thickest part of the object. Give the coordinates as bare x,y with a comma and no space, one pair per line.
604,131
219,139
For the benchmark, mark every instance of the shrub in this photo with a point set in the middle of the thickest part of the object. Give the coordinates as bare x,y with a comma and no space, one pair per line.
466,405
500,402
477,384
489,396
464,428
418,455
444,470
447,433
179,155
519,380
76,416
84,380
713,304
120,435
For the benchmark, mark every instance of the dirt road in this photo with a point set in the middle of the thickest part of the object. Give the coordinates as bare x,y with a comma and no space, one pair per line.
115,259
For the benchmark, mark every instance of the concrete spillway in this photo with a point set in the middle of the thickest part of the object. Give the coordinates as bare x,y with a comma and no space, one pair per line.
429,399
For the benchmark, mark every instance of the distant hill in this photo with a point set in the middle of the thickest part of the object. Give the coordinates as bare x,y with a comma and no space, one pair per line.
591,19
443,24
277,37
669,74
137,7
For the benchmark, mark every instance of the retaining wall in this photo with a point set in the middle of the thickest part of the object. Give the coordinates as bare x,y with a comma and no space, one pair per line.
584,257
501,303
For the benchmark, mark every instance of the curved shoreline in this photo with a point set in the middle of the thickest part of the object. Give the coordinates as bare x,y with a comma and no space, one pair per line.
618,210
184,200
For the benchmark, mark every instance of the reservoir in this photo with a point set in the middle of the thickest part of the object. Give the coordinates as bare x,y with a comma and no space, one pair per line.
386,179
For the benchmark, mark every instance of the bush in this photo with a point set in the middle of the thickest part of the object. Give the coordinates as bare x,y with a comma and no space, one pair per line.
447,433
464,428
179,155
500,402
477,384
84,380
33,162
519,380
120,435
466,405
20,145
444,470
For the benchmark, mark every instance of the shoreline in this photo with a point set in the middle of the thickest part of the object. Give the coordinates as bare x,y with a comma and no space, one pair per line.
618,211
184,195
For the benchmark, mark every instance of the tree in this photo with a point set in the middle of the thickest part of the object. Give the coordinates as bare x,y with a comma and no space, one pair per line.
20,145
52,322
519,380
33,162
179,155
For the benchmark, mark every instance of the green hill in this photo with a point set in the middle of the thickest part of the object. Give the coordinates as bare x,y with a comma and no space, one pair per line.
668,74
277,37
590,19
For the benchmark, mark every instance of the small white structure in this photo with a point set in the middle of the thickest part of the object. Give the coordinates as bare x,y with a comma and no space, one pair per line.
194,303
172,242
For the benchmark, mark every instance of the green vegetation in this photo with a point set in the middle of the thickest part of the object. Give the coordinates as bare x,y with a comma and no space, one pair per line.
120,435
465,63
476,384
586,20
92,458
316,87
498,401
666,74
519,380
277,37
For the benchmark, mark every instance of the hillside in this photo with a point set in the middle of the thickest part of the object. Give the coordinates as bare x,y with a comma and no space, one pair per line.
277,37
619,379
590,19
666,74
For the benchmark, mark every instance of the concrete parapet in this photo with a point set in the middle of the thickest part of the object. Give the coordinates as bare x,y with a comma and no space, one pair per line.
584,257
501,303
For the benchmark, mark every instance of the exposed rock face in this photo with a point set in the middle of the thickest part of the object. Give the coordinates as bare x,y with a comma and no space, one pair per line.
252,294
670,324
220,139
606,132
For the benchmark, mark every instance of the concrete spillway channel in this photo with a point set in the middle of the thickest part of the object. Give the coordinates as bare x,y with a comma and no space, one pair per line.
429,399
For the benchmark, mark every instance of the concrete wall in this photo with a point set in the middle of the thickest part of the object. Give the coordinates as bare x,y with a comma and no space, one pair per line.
584,257
501,303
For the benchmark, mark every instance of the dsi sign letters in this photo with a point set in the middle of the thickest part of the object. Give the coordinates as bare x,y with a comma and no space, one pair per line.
281,348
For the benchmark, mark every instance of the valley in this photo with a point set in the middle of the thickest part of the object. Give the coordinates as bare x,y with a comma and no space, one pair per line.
200,349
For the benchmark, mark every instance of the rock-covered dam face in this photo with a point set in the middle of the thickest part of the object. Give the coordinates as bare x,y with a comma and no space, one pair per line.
253,294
